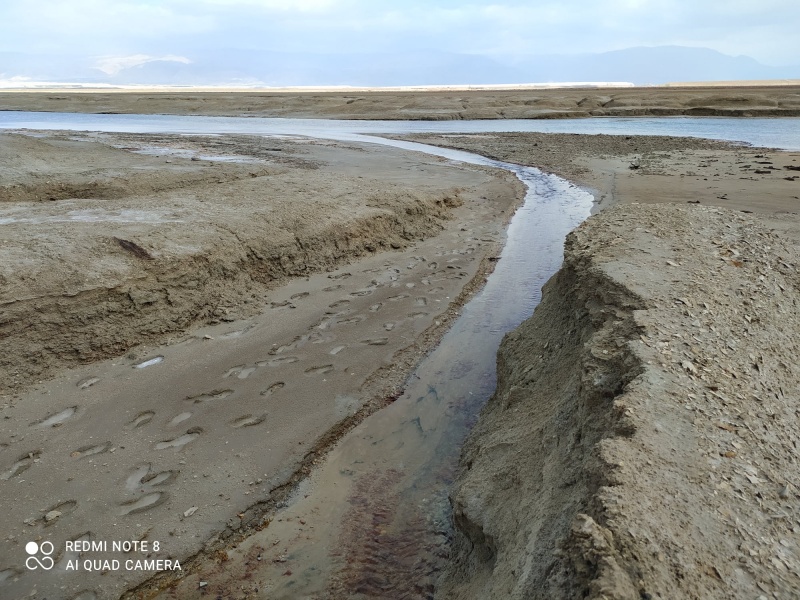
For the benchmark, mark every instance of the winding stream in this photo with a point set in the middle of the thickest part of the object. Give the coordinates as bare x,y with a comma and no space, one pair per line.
378,508
376,514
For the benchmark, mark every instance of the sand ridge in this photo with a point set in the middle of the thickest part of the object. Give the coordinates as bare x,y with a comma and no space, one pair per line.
640,443
746,101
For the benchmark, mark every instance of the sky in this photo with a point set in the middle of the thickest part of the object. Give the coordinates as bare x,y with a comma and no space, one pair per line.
112,36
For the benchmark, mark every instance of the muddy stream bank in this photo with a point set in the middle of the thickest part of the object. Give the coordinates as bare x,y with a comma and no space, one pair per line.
373,520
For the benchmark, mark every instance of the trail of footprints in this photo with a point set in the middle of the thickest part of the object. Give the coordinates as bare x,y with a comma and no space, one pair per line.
145,487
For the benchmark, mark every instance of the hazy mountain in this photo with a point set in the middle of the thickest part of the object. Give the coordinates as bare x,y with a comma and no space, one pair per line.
645,65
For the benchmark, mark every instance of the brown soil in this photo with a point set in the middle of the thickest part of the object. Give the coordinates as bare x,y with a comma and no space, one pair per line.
432,105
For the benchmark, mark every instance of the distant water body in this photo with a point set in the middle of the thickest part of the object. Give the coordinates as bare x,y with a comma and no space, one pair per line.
781,132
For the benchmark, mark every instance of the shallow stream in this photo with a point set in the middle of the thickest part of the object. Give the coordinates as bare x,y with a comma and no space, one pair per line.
377,508
375,516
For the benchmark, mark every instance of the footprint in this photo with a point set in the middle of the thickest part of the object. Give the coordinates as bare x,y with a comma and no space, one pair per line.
209,396
320,338
351,320
87,382
180,442
375,307
144,503
247,421
345,275
56,419
436,290
376,341
319,370
277,362
397,298
418,315
149,362
85,451
299,296
421,301
433,265
23,463
273,388
161,478
298,341
280,304
179,419
236,333
141,419
332,288
410,285
241,371
337,349
143,479
388,326
362,293
339,303
7,574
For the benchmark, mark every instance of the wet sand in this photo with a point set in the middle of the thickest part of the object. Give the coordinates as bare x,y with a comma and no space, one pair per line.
289,355
253,365
649,169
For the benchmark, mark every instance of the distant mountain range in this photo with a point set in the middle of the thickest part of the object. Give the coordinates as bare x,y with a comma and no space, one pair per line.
642,66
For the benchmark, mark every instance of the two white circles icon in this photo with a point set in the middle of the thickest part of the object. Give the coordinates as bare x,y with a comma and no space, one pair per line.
33,562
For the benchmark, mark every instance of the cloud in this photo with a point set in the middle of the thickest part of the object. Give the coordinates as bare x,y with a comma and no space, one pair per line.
112,65
117,30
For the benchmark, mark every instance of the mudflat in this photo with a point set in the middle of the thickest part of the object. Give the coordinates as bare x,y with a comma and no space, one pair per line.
193,321
649,169
189,323
748,100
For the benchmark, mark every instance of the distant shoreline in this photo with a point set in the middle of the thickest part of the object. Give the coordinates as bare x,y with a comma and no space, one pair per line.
50,87
422,104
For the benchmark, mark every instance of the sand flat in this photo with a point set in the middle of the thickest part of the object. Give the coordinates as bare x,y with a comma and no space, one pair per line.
170,369
245,348
745,100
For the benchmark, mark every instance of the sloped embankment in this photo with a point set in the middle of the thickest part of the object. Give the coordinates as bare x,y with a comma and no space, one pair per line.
154,293
641,440
105,249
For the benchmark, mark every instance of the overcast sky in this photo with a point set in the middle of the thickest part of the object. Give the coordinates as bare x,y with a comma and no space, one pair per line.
118,34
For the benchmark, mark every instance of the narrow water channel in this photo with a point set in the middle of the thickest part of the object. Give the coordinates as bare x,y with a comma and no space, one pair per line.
373,520
395,535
